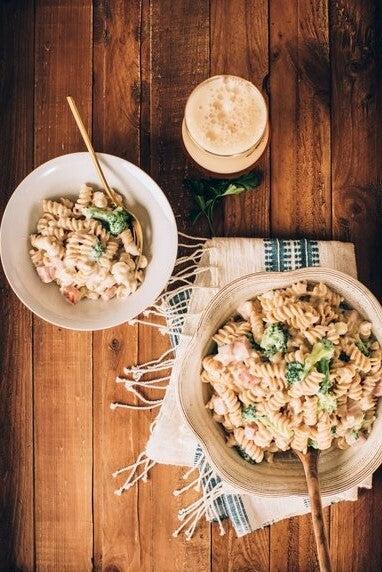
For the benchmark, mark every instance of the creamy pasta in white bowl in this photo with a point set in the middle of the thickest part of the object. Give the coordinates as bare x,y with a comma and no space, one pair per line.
63,241
284,361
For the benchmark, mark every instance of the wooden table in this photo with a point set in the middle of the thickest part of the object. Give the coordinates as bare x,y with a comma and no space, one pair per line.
130,64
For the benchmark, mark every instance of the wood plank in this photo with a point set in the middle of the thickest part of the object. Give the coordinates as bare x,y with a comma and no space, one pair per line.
240,48
116,130
16,383
357,148
62,366
175,59
300,178
300,118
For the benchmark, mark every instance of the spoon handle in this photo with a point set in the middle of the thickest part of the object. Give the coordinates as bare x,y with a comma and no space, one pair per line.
89,146
310,463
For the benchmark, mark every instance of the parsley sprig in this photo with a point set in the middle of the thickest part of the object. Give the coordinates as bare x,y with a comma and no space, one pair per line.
208,192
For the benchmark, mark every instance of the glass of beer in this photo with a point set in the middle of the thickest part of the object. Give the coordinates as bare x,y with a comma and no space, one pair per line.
225,128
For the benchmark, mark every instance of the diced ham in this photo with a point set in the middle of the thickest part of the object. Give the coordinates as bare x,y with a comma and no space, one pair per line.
46,273
219,406
241,349
109,293
247,379
71,294
250,432
236,351
245,310
224,355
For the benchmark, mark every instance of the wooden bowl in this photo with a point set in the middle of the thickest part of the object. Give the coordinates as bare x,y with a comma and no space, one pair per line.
339,470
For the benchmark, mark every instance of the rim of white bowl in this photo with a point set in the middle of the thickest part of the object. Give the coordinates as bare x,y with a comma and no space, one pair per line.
143,175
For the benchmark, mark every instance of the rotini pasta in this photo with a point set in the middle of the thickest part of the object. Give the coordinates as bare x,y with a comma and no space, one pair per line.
294,368
77,247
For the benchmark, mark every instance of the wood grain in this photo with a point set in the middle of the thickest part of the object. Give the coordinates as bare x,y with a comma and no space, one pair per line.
319,63
16,389
300,178
239,48
62,359
309,461
175,60
300,118
356,153
117,442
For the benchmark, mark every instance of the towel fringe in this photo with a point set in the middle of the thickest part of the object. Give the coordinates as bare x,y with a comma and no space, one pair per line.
142,463
205,505
173,316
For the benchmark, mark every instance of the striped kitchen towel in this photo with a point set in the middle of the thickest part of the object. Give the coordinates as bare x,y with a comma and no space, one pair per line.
207,266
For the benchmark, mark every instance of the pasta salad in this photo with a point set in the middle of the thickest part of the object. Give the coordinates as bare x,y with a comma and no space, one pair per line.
294,368
87,247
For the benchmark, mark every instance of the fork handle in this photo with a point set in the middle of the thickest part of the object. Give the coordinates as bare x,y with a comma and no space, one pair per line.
309,461
77,117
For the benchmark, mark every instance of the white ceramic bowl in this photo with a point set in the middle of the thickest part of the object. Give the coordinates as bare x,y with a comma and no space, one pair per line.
63,176
339,470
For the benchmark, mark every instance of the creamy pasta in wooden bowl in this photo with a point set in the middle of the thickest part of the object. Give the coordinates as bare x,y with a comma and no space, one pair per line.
287,361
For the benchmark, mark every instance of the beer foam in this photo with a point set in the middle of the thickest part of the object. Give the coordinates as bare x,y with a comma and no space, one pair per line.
226,115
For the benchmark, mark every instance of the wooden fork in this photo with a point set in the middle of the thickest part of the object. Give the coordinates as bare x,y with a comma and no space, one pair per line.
309,461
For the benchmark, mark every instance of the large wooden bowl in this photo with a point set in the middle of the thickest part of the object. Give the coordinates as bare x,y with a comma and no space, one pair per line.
339,470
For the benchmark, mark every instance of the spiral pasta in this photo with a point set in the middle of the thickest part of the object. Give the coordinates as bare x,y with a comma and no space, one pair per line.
294,368
83,255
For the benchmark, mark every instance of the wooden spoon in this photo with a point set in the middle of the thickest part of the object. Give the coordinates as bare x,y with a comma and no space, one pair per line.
137,228
309,461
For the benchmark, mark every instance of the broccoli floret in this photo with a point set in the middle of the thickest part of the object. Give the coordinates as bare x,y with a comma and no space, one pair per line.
274,339
245,455
249,413
344,306
323,366
322,350
363,347
333,430
294,372
355,433
321,355
117,220
312,444
97,250
327,402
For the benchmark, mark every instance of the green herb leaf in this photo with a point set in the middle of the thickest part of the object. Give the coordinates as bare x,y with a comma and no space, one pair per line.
208,192
200,201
